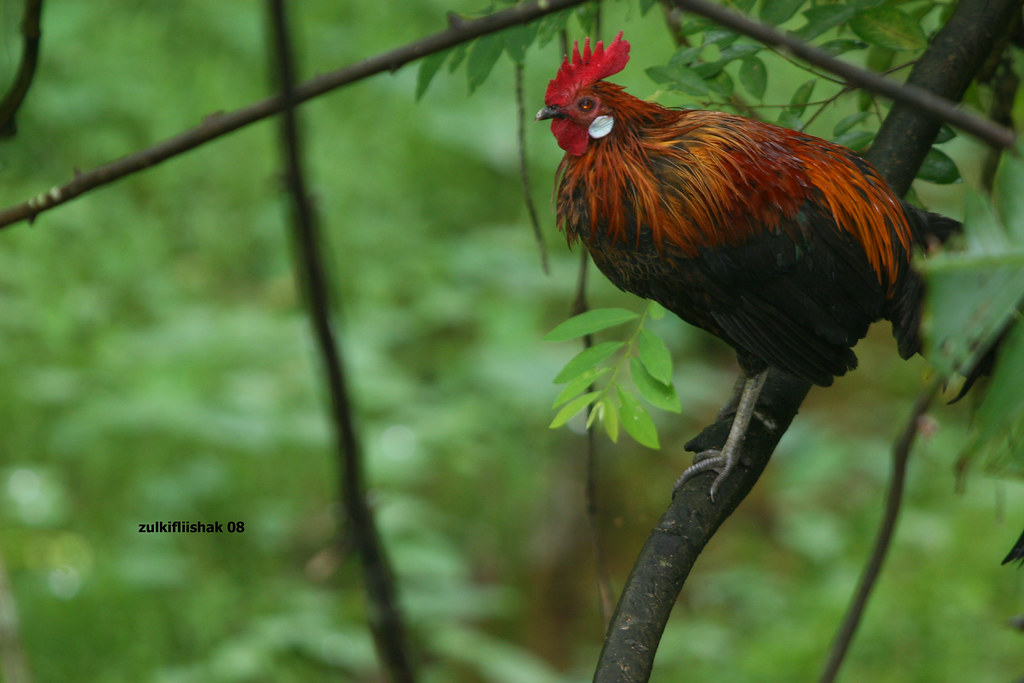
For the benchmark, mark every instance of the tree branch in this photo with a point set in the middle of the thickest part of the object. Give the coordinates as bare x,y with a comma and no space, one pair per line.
385,617
14,666
31,35
217,125
915,96
967,39
524,173
682,532
692,518
886,528
460,31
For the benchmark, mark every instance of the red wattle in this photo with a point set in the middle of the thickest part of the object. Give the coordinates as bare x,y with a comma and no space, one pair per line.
571,137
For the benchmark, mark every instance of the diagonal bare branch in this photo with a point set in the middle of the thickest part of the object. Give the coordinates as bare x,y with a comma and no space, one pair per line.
911,95
217,125
386,621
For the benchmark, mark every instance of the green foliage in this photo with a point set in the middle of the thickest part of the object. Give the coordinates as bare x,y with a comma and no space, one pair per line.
888,27
650,368
972,296
156,365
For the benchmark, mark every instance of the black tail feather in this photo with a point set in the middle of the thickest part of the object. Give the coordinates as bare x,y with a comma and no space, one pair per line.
1017,552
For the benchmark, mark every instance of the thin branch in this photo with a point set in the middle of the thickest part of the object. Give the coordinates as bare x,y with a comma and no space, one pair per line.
909,94
524,173
873,568
385,618
604,582
458,32
217,125
13,662
31,35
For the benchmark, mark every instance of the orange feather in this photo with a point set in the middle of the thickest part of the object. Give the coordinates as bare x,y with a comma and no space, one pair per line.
703,179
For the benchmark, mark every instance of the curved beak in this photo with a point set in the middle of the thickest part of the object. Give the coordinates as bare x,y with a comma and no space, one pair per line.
550,112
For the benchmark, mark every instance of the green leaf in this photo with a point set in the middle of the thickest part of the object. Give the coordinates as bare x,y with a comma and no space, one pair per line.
888,27
754,76
721,84
658,394
878,60
586,15
655,356
842,45
937,167
428,69
737,51
686,54
655,310
790,120
590,322
857,140
1000,416
971,294
458,54
518,38
551,26
678,77
801,97
823,18
578,385
636,421
775,12
693,25
572,407
720,36
945,134
849,122
1009,193
1004,401
610,418
483,55
586,359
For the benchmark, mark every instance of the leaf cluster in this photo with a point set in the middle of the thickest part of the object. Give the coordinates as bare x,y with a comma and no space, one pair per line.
718,68
974,295
615,403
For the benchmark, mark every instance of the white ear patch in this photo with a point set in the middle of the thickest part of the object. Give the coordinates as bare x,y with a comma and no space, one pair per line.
601,126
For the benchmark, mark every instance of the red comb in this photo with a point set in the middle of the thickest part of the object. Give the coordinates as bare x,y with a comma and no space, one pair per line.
585,69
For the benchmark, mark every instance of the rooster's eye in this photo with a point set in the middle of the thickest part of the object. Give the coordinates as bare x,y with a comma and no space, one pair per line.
586,104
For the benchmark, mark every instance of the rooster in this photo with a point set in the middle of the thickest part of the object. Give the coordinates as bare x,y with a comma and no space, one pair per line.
784,245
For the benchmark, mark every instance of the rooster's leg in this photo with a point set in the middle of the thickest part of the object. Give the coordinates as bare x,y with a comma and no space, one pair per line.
723,461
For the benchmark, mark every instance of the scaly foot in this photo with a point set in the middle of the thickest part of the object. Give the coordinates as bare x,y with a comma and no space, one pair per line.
724,461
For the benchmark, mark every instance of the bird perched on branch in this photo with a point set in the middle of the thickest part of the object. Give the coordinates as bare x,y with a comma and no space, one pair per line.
782,244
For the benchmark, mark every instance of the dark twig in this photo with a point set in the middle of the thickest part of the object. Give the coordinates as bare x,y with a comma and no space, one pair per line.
672,548
13,662
385,618
914,96
883,541
216,125
524,174
31,35
604,583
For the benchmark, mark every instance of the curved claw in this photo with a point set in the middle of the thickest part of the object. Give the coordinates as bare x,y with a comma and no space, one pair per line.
722,462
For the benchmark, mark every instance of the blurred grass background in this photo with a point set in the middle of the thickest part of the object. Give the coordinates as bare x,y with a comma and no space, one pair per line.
155,365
